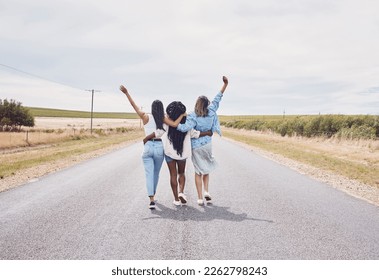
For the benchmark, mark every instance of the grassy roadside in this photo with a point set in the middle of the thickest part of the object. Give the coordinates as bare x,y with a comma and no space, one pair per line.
365,169
13,162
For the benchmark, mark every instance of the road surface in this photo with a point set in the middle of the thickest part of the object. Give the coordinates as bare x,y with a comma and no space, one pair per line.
98,209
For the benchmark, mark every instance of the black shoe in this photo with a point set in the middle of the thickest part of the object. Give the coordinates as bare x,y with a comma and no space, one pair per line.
152,205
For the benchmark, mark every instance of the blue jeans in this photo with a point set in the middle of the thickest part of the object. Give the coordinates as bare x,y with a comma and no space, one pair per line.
152,158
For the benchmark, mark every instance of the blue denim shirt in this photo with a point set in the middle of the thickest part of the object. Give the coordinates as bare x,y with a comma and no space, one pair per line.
209,122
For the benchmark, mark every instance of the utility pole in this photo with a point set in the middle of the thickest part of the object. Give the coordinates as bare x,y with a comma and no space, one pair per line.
93,91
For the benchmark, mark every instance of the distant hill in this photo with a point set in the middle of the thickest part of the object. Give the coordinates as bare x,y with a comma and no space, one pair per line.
46,112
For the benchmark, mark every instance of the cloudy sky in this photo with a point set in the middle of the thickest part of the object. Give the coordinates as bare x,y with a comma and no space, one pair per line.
301,56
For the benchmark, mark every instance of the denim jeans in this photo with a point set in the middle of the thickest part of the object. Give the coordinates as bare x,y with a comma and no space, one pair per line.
152,158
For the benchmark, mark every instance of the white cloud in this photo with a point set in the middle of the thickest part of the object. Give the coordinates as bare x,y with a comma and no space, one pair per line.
305,56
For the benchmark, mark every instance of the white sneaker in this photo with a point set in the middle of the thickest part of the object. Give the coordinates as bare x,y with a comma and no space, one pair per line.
200,202
183,198
176,203
207,196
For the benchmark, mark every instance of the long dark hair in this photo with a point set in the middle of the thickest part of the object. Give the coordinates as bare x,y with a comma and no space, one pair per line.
176,138
158,113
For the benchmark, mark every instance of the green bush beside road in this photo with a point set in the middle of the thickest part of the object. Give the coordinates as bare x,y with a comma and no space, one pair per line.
341,126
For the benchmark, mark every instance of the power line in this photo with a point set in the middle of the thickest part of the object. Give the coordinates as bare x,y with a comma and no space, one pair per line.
49,80
37,76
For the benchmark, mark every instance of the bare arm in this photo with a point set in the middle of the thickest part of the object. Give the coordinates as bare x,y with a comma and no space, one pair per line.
198,134
148,137
206,133
225,79
175,123
139,112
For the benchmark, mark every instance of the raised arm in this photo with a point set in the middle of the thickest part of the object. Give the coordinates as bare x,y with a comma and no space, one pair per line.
175,123
139,112
225,80
216,101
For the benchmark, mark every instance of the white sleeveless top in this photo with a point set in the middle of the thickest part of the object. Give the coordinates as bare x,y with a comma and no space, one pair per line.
151,126
169,148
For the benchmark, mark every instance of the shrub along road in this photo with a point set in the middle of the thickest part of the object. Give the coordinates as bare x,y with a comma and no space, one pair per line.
262,210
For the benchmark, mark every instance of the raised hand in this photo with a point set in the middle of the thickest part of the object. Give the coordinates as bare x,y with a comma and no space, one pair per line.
225,80
123,89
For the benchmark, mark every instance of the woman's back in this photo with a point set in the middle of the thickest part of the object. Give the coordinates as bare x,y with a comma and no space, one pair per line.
203,123
150,126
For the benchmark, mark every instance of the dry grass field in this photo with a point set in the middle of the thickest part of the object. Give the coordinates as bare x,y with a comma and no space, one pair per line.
50,130
56,143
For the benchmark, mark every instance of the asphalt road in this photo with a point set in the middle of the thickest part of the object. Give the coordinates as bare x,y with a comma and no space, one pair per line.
262,210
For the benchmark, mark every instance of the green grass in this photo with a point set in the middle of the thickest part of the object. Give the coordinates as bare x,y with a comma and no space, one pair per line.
46,112
341,126
225,118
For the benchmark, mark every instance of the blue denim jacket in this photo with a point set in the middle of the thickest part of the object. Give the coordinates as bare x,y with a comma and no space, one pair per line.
209,122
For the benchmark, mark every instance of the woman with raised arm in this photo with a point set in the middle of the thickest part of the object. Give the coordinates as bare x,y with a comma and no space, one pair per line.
153,149
204,118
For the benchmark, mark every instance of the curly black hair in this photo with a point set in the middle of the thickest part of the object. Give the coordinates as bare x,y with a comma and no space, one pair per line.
176,137
157,111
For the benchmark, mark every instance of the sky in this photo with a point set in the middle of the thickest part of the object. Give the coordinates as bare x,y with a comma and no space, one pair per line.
294,56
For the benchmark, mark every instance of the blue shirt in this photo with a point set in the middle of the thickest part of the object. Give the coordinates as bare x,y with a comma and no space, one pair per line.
209,122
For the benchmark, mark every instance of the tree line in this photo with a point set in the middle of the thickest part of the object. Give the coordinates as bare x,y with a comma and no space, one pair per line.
13,116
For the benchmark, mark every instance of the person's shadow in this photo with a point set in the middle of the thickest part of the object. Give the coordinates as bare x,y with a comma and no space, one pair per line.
211,212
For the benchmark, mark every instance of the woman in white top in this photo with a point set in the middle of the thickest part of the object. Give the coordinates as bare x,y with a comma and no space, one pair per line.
177,148
153,150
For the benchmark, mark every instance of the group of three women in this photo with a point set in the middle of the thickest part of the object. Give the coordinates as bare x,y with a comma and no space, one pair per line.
175,137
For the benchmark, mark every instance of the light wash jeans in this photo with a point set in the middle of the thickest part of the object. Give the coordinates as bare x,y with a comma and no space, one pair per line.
152,158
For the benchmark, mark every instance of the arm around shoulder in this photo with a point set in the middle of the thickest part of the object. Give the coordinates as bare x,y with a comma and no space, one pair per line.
175,123
189,124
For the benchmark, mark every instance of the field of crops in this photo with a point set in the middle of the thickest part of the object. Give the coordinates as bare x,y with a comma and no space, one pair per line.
44,112
341,126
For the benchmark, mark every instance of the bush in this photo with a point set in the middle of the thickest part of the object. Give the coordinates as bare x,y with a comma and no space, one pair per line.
13,116
357,132
122,129
352,127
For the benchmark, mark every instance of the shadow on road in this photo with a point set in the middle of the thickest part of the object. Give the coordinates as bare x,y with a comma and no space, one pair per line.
209,213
